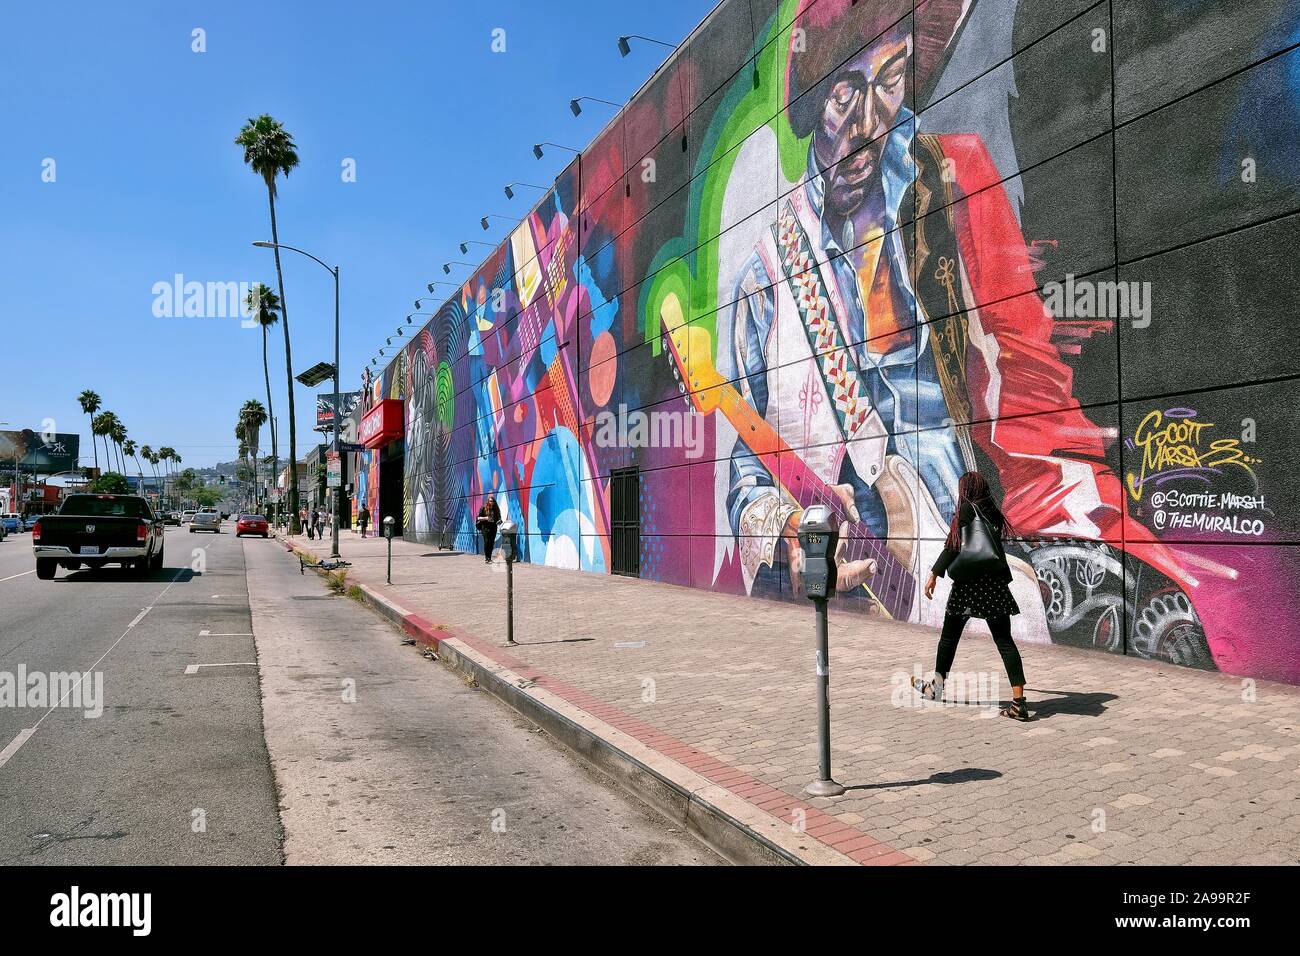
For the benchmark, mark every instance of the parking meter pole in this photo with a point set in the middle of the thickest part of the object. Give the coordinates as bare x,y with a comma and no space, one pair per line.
823,786
509,543
510,602
818,538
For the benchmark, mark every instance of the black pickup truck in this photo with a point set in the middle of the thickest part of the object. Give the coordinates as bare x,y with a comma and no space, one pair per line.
95,530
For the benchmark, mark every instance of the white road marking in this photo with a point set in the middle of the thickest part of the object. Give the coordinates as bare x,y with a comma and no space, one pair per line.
194,668
24,734
12,576
210,634
15,744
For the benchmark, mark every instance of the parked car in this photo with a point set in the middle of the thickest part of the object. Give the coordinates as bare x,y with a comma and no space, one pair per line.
95,530
206,521
29,522
12,521
252,524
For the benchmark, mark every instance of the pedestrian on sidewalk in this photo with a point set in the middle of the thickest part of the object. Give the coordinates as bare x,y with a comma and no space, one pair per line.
974,558
303,522
489,517
363,519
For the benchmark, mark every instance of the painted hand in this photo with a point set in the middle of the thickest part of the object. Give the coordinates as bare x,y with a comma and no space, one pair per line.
850,573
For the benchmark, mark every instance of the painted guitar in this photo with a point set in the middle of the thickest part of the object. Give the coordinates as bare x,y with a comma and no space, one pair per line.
893,584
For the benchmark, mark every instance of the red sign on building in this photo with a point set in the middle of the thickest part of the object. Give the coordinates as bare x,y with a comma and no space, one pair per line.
382,424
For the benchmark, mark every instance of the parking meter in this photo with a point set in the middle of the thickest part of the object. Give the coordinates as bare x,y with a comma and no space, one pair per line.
818,537
509,544
388,535
509,547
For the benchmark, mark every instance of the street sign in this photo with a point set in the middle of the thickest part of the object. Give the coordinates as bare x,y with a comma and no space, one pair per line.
333,479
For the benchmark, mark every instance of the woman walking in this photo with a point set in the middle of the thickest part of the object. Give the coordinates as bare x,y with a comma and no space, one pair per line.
974,558
489,517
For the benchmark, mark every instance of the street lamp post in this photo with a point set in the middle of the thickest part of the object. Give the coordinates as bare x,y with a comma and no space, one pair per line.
334,271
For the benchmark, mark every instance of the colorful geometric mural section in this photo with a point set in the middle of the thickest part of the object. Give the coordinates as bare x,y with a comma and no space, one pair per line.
841,253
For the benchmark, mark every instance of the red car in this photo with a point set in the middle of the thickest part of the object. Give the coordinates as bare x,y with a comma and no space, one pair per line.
251,524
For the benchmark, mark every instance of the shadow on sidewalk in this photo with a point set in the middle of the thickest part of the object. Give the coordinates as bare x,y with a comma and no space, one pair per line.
964,775
568,640
1065,702
1069,702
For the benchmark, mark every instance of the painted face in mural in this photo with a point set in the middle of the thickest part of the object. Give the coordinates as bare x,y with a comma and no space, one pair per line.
861,106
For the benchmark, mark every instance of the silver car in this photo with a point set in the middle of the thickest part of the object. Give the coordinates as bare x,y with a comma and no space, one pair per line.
206,521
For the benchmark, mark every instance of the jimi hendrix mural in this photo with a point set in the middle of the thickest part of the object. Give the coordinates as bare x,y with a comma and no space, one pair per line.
842,252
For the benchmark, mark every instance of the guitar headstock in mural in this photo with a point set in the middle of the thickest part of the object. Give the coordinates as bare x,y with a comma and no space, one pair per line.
691,349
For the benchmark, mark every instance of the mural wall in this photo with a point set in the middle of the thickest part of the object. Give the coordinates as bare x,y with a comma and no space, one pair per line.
840,253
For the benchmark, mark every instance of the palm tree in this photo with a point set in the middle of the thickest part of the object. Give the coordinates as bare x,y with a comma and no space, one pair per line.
147,454
166,454
129,449
265,305
269,151
101,425
118,434
90,404
252,416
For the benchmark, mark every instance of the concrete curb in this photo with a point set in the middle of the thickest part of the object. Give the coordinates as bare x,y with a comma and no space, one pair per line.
731,826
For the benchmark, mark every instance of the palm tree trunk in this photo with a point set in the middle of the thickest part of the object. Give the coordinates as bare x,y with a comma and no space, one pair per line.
270,409
94,442
294,525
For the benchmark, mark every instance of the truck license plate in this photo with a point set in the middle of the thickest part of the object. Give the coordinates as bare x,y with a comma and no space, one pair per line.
89,549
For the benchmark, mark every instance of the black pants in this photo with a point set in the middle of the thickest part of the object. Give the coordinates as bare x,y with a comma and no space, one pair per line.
954,624
489,538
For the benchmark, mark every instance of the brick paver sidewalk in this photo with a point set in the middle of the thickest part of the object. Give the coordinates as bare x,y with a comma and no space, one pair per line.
1126,761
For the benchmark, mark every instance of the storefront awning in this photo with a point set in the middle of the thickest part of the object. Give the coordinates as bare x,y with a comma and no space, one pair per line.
382,424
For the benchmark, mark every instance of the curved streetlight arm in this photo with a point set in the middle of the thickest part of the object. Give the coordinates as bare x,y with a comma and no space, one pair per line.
334,270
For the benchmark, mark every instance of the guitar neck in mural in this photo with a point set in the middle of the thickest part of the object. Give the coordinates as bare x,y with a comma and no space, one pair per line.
893,585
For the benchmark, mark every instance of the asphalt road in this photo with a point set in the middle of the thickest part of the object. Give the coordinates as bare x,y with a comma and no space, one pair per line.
175,768
375,755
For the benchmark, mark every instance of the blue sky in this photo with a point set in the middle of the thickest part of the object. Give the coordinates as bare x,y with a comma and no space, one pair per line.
150,184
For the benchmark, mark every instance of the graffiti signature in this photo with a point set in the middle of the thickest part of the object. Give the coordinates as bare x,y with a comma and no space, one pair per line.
1173,442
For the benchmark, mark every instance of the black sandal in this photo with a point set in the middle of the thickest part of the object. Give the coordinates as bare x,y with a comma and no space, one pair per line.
1019,709
926,688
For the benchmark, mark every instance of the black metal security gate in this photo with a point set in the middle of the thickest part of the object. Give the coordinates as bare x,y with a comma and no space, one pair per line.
625,521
